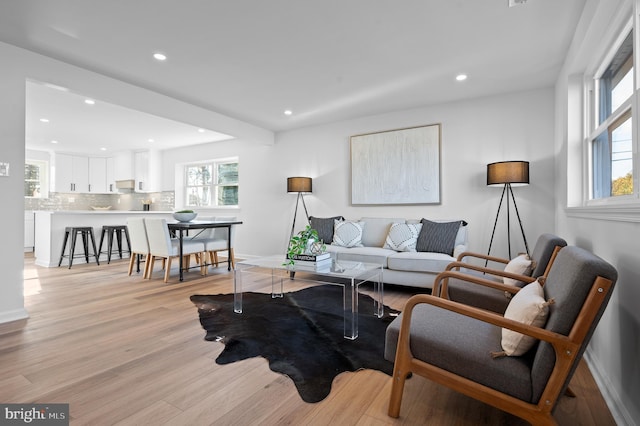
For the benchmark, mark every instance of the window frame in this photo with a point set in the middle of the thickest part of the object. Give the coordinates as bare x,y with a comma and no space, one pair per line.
593,129
43,165
213,186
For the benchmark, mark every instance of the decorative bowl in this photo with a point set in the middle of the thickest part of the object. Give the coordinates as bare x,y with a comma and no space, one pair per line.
184,217
101,208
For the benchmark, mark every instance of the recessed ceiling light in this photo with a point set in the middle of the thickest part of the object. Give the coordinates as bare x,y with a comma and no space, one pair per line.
103,149
288,112
89,101
54,141
150,140
201,130
44,120
160,56
461,77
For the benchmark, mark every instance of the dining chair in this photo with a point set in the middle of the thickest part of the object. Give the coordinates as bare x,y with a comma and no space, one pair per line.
220,242
139,245
161,245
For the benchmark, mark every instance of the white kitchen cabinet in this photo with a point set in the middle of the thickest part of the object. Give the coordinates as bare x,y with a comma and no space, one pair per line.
111,175
147,171
97,175
123,165
71,173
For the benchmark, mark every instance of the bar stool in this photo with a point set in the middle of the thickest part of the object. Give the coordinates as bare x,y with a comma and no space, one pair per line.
118,230
87,233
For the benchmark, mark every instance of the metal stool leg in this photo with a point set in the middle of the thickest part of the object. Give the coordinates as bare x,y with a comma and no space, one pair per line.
93,242
64,245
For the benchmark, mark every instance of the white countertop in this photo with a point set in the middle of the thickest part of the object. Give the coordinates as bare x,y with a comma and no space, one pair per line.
92,212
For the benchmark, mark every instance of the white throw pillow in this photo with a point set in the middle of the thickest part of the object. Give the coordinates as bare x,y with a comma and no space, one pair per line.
347,233
521,265
529,307
403,236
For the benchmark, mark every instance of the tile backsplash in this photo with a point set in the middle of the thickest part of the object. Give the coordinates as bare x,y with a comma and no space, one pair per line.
159,201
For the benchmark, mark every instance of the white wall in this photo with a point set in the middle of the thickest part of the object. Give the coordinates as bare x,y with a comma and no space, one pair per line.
614,351
12,110
516,126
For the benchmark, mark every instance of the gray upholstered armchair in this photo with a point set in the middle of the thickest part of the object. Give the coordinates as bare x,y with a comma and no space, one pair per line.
450,343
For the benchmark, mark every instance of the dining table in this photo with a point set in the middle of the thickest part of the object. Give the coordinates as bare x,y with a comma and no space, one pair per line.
181,229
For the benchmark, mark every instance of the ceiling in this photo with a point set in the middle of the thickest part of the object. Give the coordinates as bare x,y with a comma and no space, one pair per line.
325,61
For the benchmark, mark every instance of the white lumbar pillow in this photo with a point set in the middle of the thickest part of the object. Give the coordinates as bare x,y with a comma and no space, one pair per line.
521,265
528,306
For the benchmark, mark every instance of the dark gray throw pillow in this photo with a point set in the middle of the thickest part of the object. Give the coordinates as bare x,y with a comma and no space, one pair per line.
324,226
438,237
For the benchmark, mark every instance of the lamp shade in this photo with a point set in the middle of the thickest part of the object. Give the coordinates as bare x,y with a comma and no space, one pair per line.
299,184
512,172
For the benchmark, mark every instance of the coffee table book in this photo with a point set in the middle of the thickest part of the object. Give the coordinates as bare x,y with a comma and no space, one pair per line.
310,257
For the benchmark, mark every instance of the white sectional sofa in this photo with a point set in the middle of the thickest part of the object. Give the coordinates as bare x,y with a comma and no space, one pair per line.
411,267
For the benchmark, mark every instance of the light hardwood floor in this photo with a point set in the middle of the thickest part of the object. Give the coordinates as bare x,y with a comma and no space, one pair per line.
127,351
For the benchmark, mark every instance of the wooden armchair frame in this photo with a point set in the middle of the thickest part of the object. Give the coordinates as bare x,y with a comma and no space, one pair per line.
566,350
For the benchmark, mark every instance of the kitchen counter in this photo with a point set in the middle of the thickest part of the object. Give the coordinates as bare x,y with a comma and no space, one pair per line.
50,225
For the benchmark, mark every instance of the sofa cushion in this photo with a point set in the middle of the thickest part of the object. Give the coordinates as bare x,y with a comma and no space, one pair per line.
402,236
419,261
324,226
347,233
376,230
438,237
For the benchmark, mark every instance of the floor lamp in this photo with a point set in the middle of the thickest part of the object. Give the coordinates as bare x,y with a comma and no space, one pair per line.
508,173
299,185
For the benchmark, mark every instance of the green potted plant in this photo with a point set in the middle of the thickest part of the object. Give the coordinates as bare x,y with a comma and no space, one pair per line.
301,243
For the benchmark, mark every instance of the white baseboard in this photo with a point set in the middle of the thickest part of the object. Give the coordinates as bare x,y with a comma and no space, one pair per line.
15,315
609,393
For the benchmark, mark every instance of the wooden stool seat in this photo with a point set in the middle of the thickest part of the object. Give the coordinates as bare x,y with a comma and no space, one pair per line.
87,233
110,231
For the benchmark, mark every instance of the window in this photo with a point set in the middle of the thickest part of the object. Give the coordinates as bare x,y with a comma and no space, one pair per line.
36,179
212,184
611,141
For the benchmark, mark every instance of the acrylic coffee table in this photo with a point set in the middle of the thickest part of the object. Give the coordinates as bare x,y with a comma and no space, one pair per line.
348,274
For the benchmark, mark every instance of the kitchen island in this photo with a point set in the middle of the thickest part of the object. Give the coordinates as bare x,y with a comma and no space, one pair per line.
50,225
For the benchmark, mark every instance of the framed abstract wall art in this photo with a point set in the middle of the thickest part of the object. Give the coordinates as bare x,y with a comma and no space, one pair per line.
396,166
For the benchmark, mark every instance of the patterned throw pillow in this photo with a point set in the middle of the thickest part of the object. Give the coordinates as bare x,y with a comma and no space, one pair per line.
438,237
403,236
324,226
347,233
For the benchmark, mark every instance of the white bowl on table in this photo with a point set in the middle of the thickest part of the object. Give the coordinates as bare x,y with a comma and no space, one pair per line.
184,217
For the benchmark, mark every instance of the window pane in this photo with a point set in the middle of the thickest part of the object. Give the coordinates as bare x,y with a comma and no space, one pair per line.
228,173
198,175
198,196
612,160
621,159
615,85
227,195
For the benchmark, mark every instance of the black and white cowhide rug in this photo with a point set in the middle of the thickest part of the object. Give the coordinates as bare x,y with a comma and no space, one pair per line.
301,335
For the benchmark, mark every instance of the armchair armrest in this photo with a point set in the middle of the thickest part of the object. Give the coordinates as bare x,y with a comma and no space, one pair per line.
462,255
442,280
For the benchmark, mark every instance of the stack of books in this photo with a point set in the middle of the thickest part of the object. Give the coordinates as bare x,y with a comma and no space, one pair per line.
318,261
